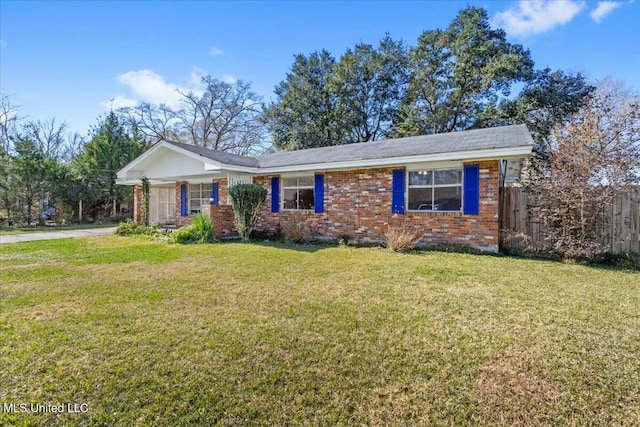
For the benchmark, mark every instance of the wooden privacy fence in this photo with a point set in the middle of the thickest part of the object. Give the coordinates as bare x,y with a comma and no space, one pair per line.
620,226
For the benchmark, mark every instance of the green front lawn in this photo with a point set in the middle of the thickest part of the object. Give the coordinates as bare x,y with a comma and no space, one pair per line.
148,333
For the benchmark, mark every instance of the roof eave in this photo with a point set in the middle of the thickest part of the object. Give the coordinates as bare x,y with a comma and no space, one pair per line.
124,174
126,177
474,155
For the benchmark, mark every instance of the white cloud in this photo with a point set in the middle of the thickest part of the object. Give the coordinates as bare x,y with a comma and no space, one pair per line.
228,78
532,17
119,102
195,77
151,87
214,51
604,8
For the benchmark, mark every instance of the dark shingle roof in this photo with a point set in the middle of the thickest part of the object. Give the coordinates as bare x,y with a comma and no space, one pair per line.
477,139
219,156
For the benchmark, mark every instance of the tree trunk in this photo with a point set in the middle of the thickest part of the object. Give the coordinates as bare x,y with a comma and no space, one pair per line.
7,201
29,212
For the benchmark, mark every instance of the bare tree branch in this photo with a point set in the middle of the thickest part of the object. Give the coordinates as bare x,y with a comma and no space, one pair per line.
48,136
8,122
593,156
225,116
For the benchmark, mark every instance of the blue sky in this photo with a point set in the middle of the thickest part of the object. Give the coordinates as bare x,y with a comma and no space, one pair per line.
69,59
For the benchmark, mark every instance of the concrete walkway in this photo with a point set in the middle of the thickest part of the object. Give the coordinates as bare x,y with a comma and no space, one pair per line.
48,235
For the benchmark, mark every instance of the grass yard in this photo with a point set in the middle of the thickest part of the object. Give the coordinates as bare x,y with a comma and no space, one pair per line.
147,333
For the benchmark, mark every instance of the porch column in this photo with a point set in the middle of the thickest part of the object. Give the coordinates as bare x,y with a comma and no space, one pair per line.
137,204
182,204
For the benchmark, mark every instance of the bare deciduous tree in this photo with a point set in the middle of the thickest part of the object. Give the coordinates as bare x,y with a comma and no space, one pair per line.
8,123
224,116
156,121
48,135
594,156
73,147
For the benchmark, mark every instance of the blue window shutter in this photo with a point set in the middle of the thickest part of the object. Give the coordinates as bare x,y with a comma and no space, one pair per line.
471,190
318,194
214,193
183,199
275,194
397,192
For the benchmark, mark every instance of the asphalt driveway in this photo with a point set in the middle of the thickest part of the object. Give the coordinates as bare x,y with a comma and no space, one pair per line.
48,235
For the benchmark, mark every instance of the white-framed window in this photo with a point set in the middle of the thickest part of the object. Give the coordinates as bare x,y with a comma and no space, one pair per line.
435,190
199,195
233,179
298,193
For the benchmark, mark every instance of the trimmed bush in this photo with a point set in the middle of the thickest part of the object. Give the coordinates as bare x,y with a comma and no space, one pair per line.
130,228
145,200
246,199
199,231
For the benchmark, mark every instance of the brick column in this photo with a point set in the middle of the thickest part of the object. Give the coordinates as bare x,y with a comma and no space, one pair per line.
181,220
137,204
206,211
222,221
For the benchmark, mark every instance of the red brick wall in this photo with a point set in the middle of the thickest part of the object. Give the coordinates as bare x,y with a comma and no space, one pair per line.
181,220
358,203
221,215
221,220
137,204
222,190
480,230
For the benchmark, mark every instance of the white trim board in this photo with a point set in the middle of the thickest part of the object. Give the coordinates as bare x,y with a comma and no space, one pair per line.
212,168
